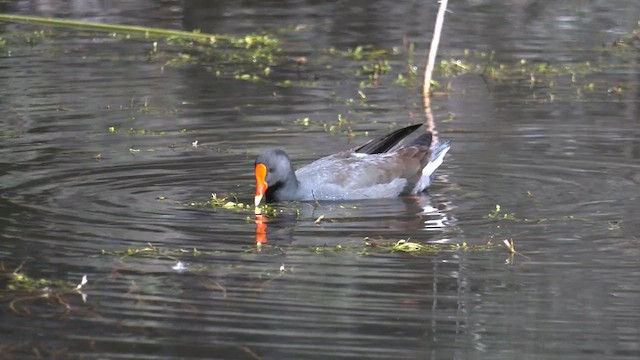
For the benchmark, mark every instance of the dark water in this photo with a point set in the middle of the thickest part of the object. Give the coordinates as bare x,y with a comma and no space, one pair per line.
564,159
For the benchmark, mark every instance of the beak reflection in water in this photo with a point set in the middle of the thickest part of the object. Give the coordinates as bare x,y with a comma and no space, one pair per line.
261,229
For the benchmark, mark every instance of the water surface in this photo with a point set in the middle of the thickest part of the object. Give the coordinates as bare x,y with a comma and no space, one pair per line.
562,158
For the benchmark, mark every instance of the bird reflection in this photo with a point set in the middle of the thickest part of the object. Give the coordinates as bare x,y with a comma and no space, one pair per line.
349,218
261,229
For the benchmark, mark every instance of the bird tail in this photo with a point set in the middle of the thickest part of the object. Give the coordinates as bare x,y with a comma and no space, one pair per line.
435,160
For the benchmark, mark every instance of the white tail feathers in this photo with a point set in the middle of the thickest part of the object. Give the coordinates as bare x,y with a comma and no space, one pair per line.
429,171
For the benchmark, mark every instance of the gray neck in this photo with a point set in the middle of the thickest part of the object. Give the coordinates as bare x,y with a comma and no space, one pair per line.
288,189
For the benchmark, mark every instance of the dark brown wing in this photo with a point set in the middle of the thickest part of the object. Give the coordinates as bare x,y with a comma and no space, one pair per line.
386,142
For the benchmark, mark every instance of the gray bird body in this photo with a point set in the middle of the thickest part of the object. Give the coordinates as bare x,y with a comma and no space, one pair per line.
377,169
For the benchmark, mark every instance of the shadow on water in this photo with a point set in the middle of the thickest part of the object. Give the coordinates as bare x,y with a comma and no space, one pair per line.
104,150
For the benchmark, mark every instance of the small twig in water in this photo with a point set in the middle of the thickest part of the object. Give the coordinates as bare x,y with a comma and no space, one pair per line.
434,49
316,204
512,248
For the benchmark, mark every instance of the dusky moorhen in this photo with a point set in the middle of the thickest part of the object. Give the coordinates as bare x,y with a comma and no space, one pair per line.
376,169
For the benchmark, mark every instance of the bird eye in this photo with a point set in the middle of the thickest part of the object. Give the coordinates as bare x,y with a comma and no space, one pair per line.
270,169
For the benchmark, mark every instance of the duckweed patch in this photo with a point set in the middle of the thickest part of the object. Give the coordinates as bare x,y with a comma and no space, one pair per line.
630,41
296,83
22,291
247,58
242,57
231,203
10,134
341,126
371,247
498,214
144,107
222,202
253,58
23,37
141,132
360,52
369,62
537,75
153,251
18,280
614,224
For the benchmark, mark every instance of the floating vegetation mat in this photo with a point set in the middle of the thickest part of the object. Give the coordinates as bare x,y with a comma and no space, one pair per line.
22,291
253,57
370,247
231,203
244,57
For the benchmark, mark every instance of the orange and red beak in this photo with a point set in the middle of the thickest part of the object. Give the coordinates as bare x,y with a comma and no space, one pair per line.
261,183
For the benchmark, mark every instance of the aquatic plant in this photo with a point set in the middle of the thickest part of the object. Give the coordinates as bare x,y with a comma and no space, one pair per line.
376,246
231,203
22,290
244,57
499,215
